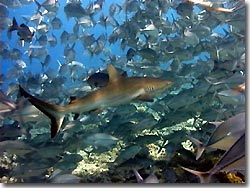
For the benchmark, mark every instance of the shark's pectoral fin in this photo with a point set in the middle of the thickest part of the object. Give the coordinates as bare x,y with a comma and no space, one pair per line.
145,97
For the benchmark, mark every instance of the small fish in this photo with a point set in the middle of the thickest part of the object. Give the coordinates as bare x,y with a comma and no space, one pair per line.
52,40
229,65
56,23
11,131
36,18
65,178
17,147
42,40
101,140
98,79
233,159
85,21
185,9
31,170
120,90
23,31
27,113
8,105
130,54
190,37
74,9
130,6
146,139
46,61
224,135
209,5
240,88
37,52
69,53
97,5
64,37
231,96
42,28
127,153
147,53
234,96
49,5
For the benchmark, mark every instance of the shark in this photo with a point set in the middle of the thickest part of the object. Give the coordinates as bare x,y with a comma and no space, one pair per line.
120,90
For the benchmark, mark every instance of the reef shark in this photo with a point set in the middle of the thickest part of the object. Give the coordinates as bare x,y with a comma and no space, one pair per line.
119,90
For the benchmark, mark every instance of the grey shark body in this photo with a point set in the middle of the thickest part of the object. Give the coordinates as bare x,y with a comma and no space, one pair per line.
120,90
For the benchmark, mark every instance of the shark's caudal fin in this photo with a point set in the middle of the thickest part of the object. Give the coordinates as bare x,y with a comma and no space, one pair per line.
200,146
54,112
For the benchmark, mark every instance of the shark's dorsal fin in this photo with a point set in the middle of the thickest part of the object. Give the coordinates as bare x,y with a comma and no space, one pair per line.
113,73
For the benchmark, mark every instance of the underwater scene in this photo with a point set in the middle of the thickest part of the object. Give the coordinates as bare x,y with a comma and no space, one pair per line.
122,91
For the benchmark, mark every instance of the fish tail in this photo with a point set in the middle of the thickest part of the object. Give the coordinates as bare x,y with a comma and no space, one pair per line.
138,176
54,112
205,177
14,25
38,6
200,146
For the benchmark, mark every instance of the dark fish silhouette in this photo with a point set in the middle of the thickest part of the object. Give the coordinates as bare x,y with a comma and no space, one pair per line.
23,31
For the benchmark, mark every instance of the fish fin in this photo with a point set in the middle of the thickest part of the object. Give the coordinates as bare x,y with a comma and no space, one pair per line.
24,26
138,176
76,116
22,42
205,177
52,111
200,146
72,99
216,123
14,25
113,73
145,97
38,5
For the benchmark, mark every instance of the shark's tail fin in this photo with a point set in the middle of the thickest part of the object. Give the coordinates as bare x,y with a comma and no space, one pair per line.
54,112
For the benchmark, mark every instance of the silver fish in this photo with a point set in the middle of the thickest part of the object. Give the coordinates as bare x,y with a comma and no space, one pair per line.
224,135
233,159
